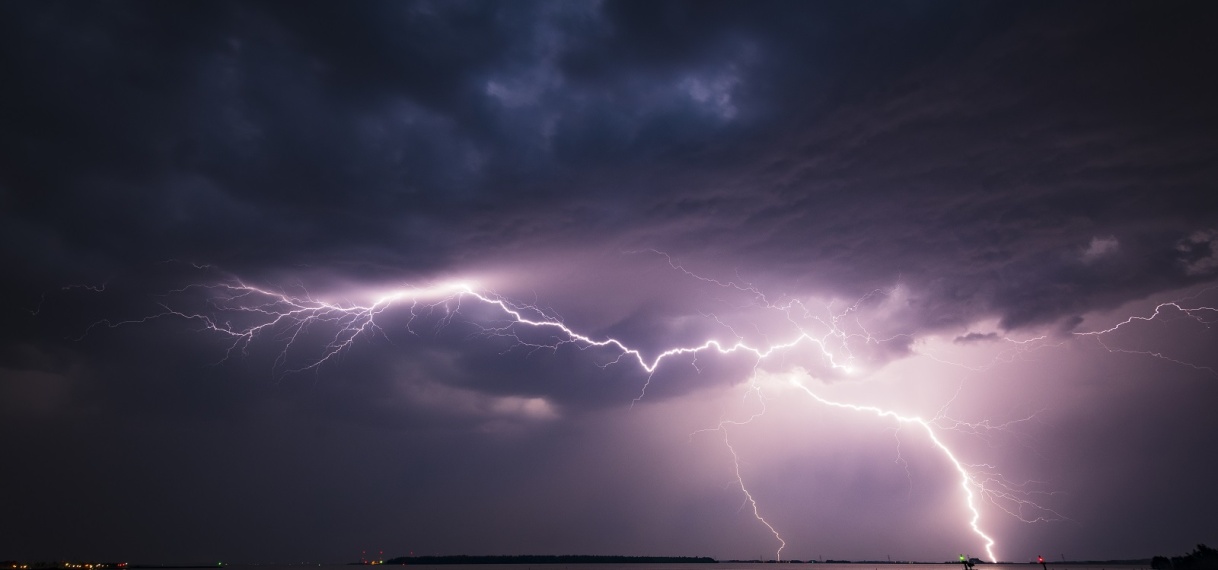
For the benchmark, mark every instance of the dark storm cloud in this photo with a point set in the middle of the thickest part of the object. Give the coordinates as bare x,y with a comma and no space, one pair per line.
276,134
975,337
1022,162
985,189
1029,162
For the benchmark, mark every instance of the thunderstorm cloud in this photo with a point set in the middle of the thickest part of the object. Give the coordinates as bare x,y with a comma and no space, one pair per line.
963,204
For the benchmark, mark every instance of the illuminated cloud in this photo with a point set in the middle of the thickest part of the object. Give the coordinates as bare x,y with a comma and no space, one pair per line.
1100,248
975,337
998,215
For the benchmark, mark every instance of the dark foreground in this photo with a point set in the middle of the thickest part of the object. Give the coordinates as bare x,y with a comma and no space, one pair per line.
550,559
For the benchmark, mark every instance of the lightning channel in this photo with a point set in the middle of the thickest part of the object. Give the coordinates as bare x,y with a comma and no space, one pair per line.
245,313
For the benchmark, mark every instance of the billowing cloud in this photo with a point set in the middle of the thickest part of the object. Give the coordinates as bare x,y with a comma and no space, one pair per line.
999,215
1100,248
1199,252
975,337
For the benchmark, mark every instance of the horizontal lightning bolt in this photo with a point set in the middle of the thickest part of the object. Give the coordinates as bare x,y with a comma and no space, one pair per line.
246,313
1204,315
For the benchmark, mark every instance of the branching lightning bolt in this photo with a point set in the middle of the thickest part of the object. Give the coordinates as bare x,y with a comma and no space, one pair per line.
85,286
970,483
1204,315
245,313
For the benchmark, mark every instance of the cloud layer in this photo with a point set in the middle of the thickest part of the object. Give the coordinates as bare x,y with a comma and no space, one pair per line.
934,181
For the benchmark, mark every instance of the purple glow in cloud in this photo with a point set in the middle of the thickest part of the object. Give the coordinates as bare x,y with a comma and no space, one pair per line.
323,330
930,273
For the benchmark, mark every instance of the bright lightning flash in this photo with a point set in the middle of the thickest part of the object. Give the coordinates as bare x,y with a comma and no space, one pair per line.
245,313
968,480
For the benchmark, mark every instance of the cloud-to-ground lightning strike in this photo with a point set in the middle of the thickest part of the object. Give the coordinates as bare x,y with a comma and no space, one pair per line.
245,313
286,317
968,480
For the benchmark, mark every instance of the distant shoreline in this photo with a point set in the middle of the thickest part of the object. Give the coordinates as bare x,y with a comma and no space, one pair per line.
539,559
546,559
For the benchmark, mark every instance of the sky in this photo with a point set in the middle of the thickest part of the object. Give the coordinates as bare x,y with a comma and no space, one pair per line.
292,281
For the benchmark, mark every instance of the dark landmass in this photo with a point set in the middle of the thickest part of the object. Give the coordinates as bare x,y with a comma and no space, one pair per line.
1202,558
167,566
1129,562
62,565
550,559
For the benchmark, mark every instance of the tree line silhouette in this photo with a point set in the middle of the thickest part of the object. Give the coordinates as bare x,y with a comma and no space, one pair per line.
1203,558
